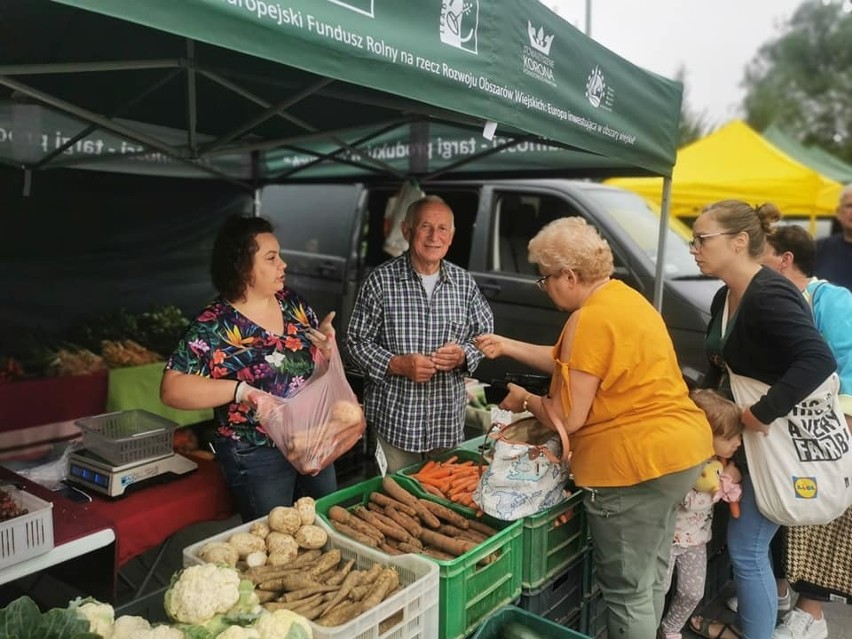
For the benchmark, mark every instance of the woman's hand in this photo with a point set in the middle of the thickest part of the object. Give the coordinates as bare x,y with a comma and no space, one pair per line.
323,336
753,423
491,345
514,401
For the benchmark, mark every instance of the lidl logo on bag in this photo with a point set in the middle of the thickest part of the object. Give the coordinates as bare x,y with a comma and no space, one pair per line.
805,487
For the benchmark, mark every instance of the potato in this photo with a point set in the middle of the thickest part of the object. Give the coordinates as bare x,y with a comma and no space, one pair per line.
278,541
311,537
346,412
284,519
260,529
307,510
246,543
219,552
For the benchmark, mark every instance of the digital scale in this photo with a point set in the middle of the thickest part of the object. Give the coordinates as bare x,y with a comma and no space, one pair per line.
88,470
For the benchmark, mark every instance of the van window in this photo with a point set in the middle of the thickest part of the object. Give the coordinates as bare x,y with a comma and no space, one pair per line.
311,218
463,202
520,216
642,224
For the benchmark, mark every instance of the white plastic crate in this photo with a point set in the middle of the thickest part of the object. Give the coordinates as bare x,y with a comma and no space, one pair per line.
417,602
29,535
128,436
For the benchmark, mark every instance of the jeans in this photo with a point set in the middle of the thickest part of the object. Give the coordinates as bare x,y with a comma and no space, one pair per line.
260,478
632,529
748,546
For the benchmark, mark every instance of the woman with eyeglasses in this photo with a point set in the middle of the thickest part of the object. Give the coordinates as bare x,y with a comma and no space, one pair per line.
760,327
638,441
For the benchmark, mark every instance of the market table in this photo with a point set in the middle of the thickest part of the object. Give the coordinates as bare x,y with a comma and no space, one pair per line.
80,537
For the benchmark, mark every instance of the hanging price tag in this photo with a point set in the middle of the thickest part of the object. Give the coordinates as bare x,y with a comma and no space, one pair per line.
381,460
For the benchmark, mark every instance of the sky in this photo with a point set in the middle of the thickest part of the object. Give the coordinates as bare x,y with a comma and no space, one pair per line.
713,41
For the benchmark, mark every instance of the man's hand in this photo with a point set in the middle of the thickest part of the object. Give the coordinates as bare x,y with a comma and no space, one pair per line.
448,357
416,367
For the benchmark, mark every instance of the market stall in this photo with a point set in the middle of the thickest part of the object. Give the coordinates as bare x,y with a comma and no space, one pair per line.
210,90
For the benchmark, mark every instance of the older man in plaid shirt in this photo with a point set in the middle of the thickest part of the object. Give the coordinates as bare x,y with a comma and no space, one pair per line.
412,334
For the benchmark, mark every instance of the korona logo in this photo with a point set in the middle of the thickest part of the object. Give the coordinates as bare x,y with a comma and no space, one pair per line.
538,40
595,87
459,24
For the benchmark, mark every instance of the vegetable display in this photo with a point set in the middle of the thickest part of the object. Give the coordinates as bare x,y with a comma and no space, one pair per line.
450,479
398,522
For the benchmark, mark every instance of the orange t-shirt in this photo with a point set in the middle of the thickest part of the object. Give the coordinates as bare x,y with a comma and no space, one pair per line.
642,423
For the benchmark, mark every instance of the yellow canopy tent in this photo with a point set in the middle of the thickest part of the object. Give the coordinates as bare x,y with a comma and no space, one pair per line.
737,162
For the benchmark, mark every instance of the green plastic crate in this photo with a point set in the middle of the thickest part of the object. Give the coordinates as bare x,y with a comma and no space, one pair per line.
463,455
548,549
493,626
468,592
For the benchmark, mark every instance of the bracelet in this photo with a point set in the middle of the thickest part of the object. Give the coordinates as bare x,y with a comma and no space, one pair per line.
237,392
526,399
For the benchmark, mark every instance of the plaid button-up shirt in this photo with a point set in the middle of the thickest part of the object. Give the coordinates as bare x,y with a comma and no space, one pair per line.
393,316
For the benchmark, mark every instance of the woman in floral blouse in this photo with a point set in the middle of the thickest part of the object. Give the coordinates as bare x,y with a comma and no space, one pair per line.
257,336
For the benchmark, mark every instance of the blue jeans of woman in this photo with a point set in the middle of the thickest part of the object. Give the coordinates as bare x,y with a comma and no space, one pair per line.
260,478
748,546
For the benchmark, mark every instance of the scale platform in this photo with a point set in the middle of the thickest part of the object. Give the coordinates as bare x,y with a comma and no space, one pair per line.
90,471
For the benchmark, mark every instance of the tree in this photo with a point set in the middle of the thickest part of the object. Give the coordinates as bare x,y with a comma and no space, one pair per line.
802,80
693,126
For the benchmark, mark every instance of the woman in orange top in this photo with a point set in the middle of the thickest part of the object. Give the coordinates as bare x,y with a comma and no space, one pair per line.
638,441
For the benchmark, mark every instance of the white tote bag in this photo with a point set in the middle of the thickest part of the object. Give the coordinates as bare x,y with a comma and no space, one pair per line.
801,470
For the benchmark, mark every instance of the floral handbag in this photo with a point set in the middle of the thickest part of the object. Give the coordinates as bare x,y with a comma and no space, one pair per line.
526,473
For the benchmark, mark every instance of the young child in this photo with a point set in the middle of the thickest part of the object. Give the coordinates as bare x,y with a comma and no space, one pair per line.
695,514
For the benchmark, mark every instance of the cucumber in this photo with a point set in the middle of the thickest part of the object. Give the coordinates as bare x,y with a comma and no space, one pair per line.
515,630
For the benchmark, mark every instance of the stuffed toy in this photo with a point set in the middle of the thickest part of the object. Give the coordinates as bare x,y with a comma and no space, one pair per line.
713,480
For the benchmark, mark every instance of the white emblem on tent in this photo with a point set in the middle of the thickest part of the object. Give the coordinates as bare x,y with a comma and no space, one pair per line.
358,6
595,87
459,24
538,40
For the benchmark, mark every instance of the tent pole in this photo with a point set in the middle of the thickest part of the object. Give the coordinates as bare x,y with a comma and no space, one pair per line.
87,67
191,104
661,244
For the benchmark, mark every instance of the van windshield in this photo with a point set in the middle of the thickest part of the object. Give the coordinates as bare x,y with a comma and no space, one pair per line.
636,217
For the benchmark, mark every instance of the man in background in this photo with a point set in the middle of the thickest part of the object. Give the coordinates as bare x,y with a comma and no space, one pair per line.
411,334
834,253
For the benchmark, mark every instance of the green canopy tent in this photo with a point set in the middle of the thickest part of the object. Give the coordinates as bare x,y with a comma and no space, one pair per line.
813,156
219,87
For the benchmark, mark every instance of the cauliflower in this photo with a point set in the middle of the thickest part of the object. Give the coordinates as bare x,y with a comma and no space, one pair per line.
199,593
130,627
163,632
238,632
100,616
283,624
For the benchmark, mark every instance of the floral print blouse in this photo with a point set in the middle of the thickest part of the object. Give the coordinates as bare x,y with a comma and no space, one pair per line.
222,343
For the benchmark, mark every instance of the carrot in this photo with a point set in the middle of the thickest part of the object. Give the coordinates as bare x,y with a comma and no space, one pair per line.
390,550
483,528
343,516
429,488
735,509
445,513
385,501
410,526
398,492
455,547
429,465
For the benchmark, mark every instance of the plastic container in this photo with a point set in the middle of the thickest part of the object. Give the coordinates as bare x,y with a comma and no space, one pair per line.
560,598
493,627
128,436
29,535
468,592
593,615
549,549
414,608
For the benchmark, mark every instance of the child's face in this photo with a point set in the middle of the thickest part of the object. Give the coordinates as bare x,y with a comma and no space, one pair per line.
726,447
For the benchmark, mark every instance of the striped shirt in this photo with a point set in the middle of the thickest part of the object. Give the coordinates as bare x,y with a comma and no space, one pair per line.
393,316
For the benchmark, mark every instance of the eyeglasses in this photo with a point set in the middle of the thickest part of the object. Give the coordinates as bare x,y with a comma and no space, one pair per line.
541,283
698,241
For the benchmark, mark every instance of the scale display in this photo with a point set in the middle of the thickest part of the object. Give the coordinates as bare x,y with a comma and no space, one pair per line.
91,471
